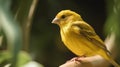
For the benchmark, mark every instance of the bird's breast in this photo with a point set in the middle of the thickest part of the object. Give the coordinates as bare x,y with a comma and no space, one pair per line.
73,42
77,43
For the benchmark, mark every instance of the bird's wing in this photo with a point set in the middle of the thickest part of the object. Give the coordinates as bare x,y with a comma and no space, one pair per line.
84,29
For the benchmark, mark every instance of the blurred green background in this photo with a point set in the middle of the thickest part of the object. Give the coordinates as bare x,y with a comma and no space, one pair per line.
41,39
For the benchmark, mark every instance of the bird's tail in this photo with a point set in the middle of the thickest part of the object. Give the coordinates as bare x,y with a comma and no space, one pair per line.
113,62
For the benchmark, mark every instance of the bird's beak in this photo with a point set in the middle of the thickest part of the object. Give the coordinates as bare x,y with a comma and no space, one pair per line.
55,21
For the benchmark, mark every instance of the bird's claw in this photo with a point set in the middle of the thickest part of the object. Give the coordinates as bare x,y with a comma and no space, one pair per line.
79,59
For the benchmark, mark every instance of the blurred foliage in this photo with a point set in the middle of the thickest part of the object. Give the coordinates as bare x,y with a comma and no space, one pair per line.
11,31
21,11
112,24
113,14
40,38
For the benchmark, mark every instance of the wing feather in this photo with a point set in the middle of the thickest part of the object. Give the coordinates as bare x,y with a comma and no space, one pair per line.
87,31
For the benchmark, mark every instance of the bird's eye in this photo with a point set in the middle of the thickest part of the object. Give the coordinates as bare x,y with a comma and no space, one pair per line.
63,16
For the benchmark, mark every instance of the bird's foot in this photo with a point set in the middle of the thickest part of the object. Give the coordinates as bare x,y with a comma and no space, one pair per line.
79,59
82,59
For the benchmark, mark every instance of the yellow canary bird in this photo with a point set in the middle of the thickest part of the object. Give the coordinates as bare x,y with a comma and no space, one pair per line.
79,37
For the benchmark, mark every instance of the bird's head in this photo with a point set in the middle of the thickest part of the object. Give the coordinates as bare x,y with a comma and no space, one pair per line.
66,16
